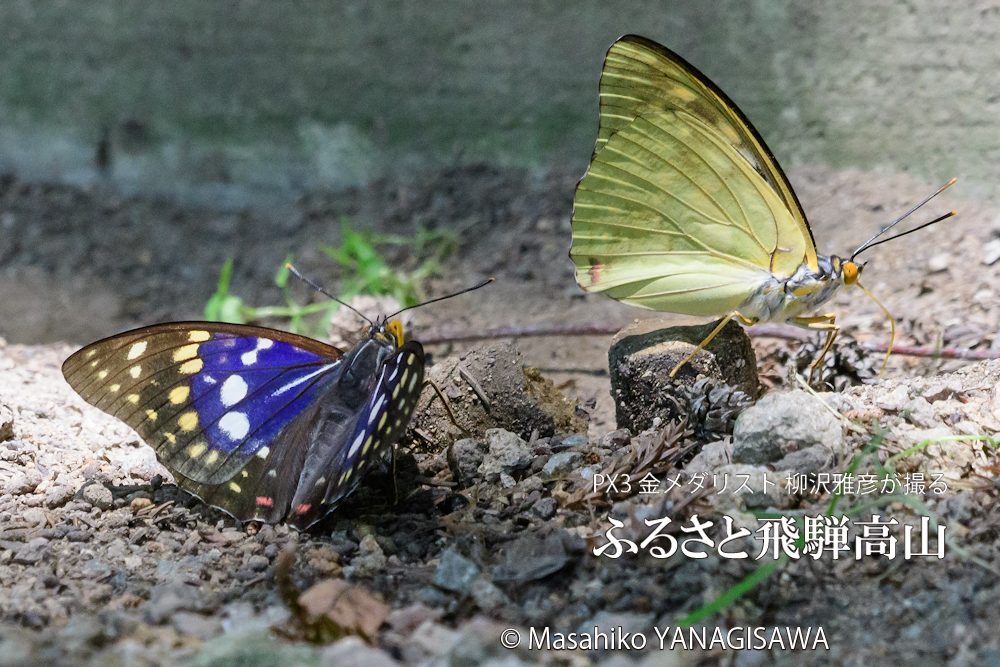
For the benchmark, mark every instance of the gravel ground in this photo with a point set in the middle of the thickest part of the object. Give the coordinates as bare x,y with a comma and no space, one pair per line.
104,562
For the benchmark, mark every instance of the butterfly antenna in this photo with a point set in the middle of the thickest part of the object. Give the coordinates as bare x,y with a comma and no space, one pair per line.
442,298
871,242
295,272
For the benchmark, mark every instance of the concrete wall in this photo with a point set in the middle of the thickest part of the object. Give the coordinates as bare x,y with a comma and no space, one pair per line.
232,101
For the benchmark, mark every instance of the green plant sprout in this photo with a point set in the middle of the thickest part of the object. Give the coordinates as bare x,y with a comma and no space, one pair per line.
363,269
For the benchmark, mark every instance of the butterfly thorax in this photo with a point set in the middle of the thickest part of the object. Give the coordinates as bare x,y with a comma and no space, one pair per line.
782,299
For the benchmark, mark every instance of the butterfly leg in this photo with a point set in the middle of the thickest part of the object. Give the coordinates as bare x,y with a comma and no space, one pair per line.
825,323
709,337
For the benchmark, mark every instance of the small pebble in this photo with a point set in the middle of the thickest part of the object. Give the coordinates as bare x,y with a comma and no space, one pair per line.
98,496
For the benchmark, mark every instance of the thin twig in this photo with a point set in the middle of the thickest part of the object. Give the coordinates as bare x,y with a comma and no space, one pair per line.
756,331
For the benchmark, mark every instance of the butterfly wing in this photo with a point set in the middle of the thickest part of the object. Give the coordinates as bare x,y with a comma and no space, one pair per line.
641,77
214,400
337,464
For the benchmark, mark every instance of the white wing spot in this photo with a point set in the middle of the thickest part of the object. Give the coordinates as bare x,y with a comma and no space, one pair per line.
357,443
136,350
135,371
394,371
235,425
272,473
264,451
376,408
234,390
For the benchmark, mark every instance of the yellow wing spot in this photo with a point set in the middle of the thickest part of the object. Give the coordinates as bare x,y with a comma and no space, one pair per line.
171,438
135,371
320,481
114,387
212,457
186,352
264,451
91,353
197,449
133,398
245,473
368,444
413,382
395,392
151,414
136,350
410,359
399,422
381,422
199,336
402,378
235,488
343,476
191,367
102,375
179,394
188,421
93,364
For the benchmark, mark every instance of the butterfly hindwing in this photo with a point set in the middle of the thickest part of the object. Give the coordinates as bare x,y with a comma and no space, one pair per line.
376,426
207,397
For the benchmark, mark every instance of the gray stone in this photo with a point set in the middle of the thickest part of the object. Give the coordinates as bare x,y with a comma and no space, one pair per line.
920,413
805,461
98,496
711,456
544,508
507,454
57,496
33,552
464,459
487,596
561,464
455,572
258,563
353,652
23,483
370,558
532,556
642,356
782,423
575,440
199,626
960,507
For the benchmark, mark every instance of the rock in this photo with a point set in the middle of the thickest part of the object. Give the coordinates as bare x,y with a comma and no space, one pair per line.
960,507
616,439
561,464
98,496
57,496
569,441
353,652
487,596
23,483
920,413
805,461
252,648
455,572
431,639
507,454
32,552
532,556
258,563
608,622
544,508
369,560
711,456
199,626
167,599
991,252
464,459
782,423
642,356
6,423
753,487
488,388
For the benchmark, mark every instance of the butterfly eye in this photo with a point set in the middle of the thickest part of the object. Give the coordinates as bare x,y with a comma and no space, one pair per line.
395,328
851,272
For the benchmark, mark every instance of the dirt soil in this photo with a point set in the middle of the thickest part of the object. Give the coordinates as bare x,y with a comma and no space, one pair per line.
104,562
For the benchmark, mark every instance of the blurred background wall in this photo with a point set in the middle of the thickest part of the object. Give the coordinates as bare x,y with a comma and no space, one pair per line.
232,102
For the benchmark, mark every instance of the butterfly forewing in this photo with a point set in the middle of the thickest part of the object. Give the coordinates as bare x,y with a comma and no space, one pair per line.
207,397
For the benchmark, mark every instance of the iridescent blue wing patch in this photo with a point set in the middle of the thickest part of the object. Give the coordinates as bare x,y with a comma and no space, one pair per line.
209,398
